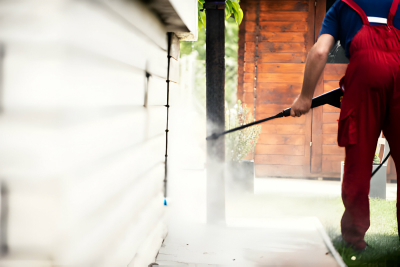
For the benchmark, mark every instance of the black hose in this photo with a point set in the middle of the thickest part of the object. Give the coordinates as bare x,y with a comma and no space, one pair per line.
380,165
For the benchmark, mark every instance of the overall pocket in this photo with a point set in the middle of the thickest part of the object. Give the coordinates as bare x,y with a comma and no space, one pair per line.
347,133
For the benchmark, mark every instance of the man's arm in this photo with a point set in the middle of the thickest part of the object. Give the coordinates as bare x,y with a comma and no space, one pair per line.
315,64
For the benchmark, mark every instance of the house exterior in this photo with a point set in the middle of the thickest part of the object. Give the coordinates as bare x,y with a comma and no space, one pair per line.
84,102
274,39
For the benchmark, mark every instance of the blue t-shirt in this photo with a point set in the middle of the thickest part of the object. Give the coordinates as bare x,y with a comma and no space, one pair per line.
343,23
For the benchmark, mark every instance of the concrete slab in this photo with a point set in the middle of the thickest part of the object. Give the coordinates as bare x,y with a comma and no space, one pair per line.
279,242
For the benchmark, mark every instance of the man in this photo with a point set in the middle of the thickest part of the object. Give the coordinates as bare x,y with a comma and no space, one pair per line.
371,100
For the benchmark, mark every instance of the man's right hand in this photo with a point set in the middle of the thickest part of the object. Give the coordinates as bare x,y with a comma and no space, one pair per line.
301,105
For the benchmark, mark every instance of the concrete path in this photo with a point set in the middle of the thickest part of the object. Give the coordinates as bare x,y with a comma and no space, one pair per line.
252,236
276,243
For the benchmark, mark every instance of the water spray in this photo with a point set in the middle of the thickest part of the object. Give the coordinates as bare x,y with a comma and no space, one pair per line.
332,98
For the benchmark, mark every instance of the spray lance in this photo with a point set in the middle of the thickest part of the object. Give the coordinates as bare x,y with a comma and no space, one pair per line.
332,98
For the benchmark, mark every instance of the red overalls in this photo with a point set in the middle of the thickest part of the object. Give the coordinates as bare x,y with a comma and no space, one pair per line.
371,103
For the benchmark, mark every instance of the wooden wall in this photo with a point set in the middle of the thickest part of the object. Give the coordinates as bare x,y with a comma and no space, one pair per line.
273,42
276,36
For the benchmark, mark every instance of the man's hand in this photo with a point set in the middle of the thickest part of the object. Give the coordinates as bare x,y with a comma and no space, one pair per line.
301,105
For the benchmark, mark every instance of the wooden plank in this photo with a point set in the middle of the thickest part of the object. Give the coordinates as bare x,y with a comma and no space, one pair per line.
283,6
251,26
330,117
250,47
286,120
277,93
329,128
248,97
289,37
332,150
334,72
282,26
279,150
274,139
276,67
330,85
329,139
297,129
329,108
331,166
333,157
283,16
277,57
248,87
279,77
271,108
273,47
278,171
249,15
288,160
249,77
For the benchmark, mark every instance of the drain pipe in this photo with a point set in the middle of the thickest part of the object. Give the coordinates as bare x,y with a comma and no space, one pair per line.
215,108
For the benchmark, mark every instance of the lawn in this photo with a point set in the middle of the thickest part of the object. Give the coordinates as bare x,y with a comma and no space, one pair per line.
382,237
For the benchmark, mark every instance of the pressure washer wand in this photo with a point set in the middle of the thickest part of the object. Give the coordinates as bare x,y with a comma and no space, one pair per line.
331,98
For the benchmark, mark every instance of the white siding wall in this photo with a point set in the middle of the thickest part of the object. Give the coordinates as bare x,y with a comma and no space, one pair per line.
81,157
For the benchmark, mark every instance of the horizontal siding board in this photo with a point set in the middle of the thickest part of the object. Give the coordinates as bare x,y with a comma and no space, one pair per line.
283,129
329,128
277,94
329,139
330,85
334,72
333,157
285,120
279,149
284,5
332,150
274,77
283,16
331,109
290,37
330,117
289,160
271,108
279,170
274,139
282,26
277,57
96,80
331,166
275,68
273,47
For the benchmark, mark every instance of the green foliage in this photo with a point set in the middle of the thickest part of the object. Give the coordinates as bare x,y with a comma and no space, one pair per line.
238,144
231,7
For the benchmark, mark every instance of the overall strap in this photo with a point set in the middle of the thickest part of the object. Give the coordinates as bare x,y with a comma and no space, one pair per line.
392,12
358,9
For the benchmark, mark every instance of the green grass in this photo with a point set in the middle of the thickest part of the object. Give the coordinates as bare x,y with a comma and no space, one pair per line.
382,237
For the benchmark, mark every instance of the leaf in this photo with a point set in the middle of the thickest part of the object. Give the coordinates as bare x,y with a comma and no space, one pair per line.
229,5
236,10
240,16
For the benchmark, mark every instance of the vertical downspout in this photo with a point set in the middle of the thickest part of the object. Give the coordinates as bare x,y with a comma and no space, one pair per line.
166,130
215,108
